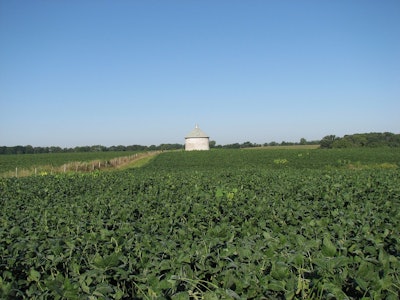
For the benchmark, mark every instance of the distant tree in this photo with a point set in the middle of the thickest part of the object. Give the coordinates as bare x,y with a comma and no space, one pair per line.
373,139
120,148
163,147
136,148
40,150
19,149
82,149
327,141
303,141
29,149
169,147
212,144
232,146
342,143
97,148
357,140
246,145
55,149
392,140
287,143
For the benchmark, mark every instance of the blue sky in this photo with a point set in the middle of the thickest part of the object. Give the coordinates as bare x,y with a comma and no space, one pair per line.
145,72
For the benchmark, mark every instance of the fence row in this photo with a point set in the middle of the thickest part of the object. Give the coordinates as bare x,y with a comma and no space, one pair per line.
78,166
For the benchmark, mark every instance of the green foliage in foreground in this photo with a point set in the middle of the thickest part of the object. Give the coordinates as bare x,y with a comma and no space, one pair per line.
226,232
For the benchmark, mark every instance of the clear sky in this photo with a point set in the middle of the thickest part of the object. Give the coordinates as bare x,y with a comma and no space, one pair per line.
145,72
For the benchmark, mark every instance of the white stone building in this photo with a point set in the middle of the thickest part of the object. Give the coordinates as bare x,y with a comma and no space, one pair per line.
197,140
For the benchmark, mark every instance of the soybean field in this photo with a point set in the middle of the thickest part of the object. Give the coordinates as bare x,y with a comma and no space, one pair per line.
220,224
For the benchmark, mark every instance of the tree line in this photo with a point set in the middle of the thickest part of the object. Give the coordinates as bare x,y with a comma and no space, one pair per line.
248,144
99,148
96,148
372,139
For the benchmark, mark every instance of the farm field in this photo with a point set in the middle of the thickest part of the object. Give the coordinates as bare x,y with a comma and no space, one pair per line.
278,158
221,224
52,162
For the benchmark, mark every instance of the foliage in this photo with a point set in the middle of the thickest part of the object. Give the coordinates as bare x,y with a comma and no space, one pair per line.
373,139
327,141
95,148
206,225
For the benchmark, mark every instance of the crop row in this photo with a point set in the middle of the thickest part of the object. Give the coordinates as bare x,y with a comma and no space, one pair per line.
176,234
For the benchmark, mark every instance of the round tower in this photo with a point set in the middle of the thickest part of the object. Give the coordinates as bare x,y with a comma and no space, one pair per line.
197,140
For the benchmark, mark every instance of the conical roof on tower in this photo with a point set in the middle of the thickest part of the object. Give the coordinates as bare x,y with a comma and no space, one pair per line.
196,133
